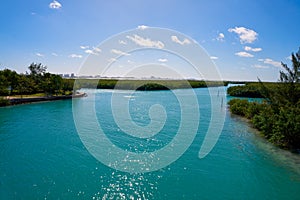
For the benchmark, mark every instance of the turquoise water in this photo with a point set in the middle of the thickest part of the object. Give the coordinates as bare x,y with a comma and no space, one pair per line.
42,156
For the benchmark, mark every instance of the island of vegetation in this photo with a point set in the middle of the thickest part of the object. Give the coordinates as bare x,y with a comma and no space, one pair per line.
277,116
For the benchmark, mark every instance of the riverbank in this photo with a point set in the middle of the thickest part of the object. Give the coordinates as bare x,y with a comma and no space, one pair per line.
278,124
11,100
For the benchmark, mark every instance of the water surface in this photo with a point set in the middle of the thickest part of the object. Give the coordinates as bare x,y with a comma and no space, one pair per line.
42,156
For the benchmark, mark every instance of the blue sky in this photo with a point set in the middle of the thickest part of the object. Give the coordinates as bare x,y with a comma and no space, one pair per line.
246,39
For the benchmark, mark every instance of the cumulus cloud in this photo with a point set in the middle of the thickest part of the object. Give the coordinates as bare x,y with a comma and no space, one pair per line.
214,57
75,56
221,37
118,52
245,35
142,27
176,40
260,66
244,54
270,62
55,5
247,48
39,55
54,54
163,60
145,42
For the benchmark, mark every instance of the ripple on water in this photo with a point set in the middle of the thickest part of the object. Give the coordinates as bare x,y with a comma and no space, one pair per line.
119,185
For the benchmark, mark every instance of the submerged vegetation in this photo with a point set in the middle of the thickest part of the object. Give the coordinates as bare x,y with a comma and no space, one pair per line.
278,116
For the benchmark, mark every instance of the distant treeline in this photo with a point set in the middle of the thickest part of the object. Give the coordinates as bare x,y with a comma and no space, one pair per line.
144,85
278,116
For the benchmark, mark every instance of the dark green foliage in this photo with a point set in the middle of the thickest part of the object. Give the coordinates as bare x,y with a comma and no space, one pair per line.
25,85
8,81
278,118
152,86
38,80
239,106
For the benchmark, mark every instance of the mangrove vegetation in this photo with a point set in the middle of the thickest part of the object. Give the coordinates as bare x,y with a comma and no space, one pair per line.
277,117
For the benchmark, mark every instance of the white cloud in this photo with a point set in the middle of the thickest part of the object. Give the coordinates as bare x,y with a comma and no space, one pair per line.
163,60
260,66
92,50
270,62
244,54
246,35
55,5
118,52
75,56
39,55
247,48
122,42
84,47
96,49
54,54
176,40
89,51
145,42
142,27
214,57
221,37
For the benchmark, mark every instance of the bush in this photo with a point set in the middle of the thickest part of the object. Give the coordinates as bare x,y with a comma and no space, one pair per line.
239,106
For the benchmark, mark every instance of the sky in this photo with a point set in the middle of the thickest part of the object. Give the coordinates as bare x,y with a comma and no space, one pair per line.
246,39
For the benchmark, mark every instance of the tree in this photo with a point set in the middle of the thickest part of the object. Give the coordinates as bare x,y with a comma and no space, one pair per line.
8,80
37,73
284,124
287,91
56,83
37,69
25,85
51,84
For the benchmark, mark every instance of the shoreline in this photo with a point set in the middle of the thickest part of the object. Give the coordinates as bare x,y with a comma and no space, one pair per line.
26,100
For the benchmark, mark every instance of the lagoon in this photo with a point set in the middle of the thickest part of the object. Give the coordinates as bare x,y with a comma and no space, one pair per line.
42,156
